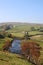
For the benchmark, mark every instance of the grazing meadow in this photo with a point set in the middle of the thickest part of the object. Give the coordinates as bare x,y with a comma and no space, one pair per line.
35,33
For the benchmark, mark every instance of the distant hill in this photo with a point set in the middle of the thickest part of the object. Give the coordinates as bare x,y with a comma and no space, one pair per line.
19,26
20,23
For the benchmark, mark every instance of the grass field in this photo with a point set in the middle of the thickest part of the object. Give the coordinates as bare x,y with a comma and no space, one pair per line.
7,58
15,59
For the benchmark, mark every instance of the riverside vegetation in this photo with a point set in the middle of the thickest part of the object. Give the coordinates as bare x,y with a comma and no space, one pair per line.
34,35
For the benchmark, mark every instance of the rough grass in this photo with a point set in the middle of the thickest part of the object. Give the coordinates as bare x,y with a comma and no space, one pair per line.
3,41
7,58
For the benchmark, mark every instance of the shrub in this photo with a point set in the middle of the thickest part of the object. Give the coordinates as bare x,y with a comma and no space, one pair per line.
6,45
2,36
33,29
31,51
11,36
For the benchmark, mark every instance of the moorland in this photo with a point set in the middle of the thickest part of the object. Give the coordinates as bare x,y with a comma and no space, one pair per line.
29,31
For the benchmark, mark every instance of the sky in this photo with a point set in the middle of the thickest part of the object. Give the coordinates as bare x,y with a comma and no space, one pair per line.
30,11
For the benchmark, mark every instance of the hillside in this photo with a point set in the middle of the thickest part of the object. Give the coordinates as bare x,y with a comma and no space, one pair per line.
7,58
19,30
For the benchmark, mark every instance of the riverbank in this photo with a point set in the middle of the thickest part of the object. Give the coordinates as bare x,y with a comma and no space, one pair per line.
7,58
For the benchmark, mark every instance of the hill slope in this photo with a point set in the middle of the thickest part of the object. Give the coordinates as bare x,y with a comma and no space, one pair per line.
7,58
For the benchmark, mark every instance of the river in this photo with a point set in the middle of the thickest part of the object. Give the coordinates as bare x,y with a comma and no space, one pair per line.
15,47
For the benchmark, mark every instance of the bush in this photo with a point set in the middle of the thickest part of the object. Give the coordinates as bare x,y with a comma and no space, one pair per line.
6,45
31,51
2,36
11,36
33,29
41,30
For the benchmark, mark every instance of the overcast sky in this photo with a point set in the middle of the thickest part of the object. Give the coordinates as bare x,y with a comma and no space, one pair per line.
21,11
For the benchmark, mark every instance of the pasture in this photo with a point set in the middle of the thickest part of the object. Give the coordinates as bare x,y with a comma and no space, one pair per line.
7,58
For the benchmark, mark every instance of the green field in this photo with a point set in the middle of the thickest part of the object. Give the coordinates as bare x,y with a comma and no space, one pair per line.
7,58
12,59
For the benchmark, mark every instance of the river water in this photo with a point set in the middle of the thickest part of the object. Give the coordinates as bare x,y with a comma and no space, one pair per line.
15,47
